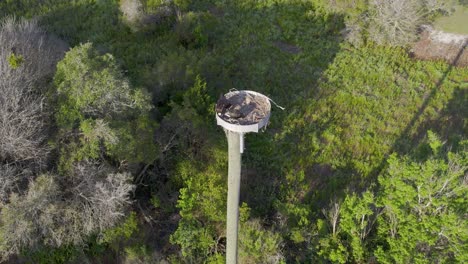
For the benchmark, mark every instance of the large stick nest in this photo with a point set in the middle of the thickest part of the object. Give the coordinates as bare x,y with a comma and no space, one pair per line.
242,108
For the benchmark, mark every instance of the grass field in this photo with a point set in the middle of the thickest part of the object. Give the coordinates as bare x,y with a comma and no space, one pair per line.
456,23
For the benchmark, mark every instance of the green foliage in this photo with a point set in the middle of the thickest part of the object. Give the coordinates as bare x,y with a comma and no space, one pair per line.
50,255
154,4
201,199
195,240
359,116
332,249
416,216
127,240
155,202
194,30
137,252
343,237
183,4
352,9
356,220
24,8
204,192
95,247
93,86
434,142
426,199
136,141
123,231
15,61
257,244
125,237
94,95
196,104
347,109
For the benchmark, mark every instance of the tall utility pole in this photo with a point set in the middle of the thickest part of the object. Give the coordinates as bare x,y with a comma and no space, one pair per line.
234,176
238,112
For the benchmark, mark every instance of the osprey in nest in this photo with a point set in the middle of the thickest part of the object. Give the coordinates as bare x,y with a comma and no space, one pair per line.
225,107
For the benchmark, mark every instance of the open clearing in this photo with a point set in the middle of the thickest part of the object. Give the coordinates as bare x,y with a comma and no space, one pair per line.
456,23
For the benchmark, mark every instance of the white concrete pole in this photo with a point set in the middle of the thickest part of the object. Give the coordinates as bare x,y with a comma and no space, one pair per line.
234,174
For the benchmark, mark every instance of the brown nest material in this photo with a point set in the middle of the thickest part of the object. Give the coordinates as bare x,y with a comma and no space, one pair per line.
242,108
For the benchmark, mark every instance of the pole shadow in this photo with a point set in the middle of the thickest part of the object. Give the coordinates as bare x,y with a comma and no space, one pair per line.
405,143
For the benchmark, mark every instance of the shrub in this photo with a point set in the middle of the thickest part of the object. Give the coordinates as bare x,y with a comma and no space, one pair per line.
194,30
61,211
259,245
15,60
95,97
90,85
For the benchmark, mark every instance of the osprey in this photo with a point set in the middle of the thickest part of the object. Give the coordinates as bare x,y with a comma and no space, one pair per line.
222,105
225,107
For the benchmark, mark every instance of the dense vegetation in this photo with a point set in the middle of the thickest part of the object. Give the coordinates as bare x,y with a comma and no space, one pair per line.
109,151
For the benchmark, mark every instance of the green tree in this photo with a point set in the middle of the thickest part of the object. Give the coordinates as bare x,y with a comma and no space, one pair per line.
96,99
416,216
202,201
256,243
91,85
200,172
349,224
424,209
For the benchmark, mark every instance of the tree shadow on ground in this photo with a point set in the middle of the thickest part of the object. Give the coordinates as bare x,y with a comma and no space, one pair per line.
449,124
137,49
317,182
280,50
452,122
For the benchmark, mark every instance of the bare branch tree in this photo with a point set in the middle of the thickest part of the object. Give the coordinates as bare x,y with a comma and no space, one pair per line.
64,210
93,199
431,6
333,215
27,61
12,177
8,180
109,197
394,21
53,210
132,11
397,21
100,194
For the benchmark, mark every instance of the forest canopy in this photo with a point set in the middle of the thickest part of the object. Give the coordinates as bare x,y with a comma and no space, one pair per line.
110,153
